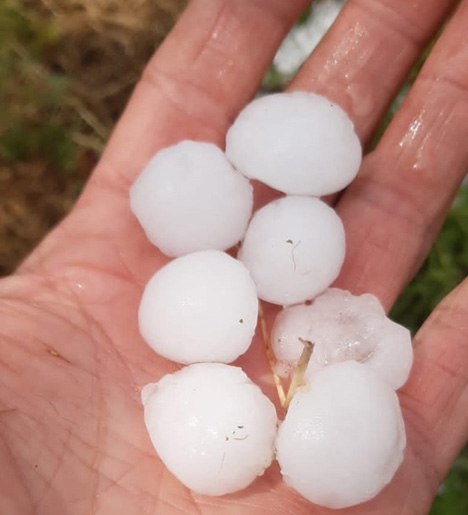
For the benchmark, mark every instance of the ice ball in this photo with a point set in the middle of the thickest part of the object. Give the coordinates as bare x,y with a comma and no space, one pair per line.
299,143
190,198
343,437
211,426
199,307
343,327
294,248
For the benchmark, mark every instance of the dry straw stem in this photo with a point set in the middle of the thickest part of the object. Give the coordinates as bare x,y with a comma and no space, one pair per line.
270,356
298,377
297,380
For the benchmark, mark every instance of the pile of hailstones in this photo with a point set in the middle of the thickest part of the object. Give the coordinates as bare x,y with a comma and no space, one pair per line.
343,436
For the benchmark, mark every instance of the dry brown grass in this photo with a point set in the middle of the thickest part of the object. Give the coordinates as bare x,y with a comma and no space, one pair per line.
103,47
100,47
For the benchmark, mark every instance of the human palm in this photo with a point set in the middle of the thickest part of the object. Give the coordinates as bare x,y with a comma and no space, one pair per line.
71,360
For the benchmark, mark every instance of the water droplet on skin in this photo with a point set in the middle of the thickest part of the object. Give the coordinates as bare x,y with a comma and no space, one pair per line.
412,132
417,144
79,288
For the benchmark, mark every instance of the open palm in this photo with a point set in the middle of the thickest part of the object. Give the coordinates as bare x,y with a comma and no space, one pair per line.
72,439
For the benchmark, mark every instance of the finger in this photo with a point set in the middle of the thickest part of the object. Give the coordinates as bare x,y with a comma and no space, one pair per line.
205,71
394,209
172,103
435,398
367,54
207,68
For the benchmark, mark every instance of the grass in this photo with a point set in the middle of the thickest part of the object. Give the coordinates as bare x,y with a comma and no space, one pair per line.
74,65
30,102
445,267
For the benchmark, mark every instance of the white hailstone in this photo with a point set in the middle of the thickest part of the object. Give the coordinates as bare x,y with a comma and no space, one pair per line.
299,143
189,198
343,327
211,426
343,438
294,248
199,307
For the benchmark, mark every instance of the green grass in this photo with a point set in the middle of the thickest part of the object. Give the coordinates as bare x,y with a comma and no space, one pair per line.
444,268
31,106
452,498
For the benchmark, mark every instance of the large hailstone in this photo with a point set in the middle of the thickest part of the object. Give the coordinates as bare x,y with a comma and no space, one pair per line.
343,327
299,143
200,307
189,198
294,249
343,437
211,426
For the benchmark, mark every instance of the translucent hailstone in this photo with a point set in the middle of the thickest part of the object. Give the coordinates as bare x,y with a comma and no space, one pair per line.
299,143
211,426
294,249
343,327
190,198
199,307
343,438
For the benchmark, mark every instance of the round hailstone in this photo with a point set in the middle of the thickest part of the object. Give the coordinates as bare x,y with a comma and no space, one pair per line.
189,198
211,426
343,439
343,327
299,143
199,307
294,249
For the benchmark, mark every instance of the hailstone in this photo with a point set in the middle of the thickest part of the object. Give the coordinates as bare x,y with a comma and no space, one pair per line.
190,198
211,426
294,248
343,327
298,143
199,307
343,437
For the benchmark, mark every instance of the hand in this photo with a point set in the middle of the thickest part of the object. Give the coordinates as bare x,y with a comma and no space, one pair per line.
71,360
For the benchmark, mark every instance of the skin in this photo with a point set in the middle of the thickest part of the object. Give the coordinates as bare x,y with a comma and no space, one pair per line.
72,363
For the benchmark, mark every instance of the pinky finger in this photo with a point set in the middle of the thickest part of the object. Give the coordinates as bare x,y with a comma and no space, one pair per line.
435,399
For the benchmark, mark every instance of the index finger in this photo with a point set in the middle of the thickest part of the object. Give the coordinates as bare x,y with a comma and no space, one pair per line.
394,210
206,70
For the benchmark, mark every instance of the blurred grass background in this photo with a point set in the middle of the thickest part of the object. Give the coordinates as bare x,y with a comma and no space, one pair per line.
67,68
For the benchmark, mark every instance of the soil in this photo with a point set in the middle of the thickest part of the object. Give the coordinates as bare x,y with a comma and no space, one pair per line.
100,50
